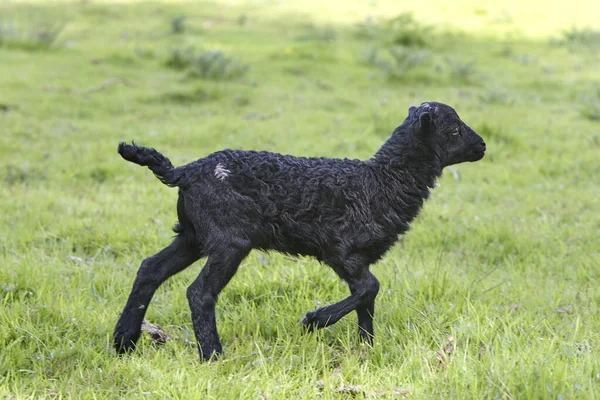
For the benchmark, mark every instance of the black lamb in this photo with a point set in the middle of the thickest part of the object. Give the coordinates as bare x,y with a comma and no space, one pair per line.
345,213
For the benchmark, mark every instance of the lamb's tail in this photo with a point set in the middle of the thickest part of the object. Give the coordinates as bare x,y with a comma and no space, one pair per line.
153,159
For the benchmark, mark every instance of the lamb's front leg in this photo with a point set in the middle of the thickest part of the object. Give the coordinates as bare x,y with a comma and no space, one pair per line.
365,322
203,293
364,290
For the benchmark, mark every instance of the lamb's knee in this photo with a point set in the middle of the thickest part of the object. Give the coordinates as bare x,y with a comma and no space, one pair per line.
200,299
147,272
369,289
193,293
373,287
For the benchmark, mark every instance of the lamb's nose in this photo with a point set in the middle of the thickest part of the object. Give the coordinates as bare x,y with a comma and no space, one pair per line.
482,143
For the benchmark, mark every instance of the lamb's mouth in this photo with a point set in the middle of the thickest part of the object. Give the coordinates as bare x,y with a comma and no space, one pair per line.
477,155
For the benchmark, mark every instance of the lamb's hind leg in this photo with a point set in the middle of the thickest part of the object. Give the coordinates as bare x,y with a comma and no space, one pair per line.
364,288
202,294
152,273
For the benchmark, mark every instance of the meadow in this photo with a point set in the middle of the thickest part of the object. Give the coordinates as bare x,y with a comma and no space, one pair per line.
494,293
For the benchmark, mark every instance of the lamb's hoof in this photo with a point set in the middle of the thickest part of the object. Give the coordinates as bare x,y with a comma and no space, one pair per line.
311,321
365,337
306,322
124,343
209,355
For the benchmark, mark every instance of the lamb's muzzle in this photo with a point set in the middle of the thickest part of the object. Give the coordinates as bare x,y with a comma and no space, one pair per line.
345,213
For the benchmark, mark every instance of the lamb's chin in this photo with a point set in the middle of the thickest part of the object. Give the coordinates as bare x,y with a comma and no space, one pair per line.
477,156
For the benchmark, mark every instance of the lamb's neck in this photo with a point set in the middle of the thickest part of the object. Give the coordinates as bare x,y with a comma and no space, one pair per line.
405,175
411,164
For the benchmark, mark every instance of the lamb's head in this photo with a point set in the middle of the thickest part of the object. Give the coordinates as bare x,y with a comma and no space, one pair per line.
442,129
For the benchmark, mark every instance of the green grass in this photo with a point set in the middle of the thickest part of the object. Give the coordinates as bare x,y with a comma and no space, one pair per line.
493,294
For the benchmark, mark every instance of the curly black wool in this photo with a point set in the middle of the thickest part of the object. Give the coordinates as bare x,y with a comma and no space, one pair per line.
345,213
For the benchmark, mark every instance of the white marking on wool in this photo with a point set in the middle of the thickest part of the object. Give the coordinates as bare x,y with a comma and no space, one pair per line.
221,172
427,105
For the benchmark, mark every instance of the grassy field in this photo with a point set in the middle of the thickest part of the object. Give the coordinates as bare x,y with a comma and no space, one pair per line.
493,294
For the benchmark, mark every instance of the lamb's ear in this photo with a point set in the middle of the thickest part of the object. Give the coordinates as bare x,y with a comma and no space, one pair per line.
411,111
425,122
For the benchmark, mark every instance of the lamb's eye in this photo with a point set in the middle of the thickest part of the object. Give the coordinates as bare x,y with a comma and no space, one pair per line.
456,132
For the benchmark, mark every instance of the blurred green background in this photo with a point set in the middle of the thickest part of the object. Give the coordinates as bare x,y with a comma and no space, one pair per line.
493,294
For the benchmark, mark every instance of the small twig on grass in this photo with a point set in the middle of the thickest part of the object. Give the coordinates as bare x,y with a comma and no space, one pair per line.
156,333
108,83
444,355
353,390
